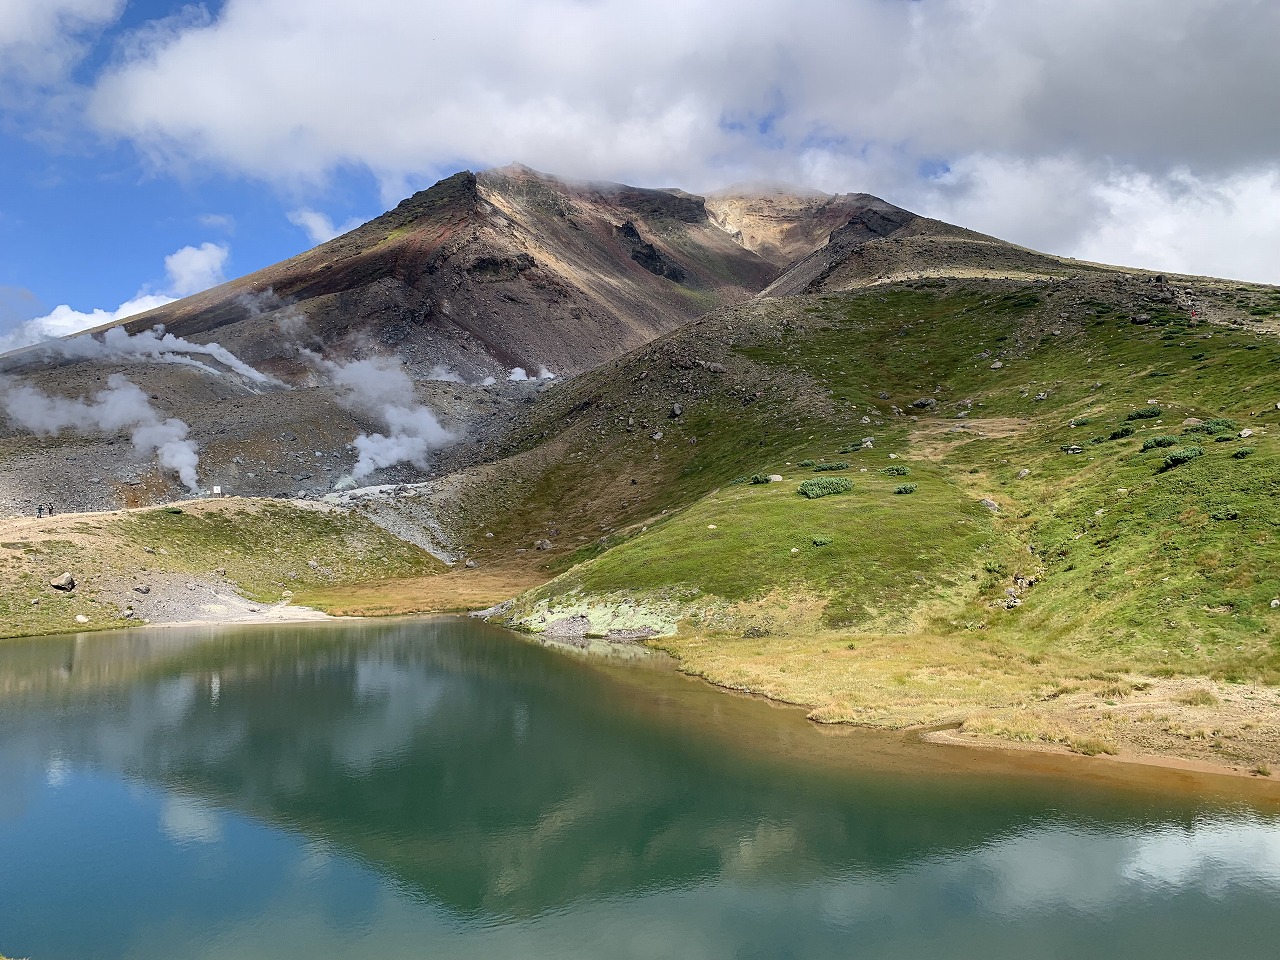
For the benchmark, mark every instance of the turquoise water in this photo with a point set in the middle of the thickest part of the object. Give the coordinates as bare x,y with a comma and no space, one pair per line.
443,789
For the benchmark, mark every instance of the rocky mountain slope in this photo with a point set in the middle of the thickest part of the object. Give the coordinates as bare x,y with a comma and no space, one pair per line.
472,292
1045,502
483,273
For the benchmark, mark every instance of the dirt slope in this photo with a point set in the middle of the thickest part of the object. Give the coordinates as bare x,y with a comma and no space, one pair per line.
485,272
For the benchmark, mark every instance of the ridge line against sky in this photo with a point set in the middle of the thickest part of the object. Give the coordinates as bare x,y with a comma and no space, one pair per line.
1138,133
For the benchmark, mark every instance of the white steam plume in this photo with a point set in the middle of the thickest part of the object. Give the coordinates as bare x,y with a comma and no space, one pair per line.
441,372
519,374
379,387
122,406
156,346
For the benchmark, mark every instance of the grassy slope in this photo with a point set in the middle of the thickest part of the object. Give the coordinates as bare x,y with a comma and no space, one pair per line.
264,547
902,617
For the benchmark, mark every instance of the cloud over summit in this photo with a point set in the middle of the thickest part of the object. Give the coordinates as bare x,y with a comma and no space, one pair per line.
1053,123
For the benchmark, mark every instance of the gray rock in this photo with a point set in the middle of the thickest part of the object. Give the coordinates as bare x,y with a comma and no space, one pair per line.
65,583
775,478
470,564
1246,434
990,504
542,544
572,630
1192,422
997,365
925,403
142,588
676,410
1024,473
81,618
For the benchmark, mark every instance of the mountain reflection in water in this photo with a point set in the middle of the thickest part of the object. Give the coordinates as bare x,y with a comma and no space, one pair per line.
442,788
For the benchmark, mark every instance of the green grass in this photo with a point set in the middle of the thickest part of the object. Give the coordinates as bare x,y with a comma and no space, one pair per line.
1132,570
270,547
931,543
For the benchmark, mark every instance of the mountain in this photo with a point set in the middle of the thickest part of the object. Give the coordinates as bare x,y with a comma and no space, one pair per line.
474,289
1046,491
486,272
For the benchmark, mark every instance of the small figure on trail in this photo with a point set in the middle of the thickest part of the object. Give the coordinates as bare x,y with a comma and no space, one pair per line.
39,510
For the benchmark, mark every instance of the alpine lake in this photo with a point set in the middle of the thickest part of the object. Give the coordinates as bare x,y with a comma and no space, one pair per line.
443,788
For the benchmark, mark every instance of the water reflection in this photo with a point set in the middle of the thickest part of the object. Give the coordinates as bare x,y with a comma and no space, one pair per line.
322,791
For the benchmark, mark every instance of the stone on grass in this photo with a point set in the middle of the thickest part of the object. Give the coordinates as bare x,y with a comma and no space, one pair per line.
81,618
775,478
66,582
990,504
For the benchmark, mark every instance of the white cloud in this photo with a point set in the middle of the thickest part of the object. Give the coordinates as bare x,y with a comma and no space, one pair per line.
193,269
317,226
189,270
1130,102
40,40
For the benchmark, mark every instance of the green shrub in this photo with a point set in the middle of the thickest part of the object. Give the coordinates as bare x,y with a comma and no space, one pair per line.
807,463
1121,433
1180,456
905,488
1156,443
1213,427
1243,452
1080,422
1225,513
738,480
822,541
1147,413
896,470
760,478
816,487
833,465
1225,438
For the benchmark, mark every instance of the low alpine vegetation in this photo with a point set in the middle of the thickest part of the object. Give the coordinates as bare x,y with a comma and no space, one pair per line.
905,488
833,465
816,487
1148,413
896,470
1177,458
1157,443
1213,427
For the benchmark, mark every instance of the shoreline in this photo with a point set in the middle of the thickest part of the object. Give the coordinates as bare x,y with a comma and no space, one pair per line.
947,736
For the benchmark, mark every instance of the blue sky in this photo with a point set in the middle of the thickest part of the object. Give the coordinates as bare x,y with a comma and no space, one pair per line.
148,148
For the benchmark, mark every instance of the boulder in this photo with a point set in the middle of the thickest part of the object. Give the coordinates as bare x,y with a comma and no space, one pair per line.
775,478
997,365
925,403
81,618
1246,434
66,582
142,588
990,504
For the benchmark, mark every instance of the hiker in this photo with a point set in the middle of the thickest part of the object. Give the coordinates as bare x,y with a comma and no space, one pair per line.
39,511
